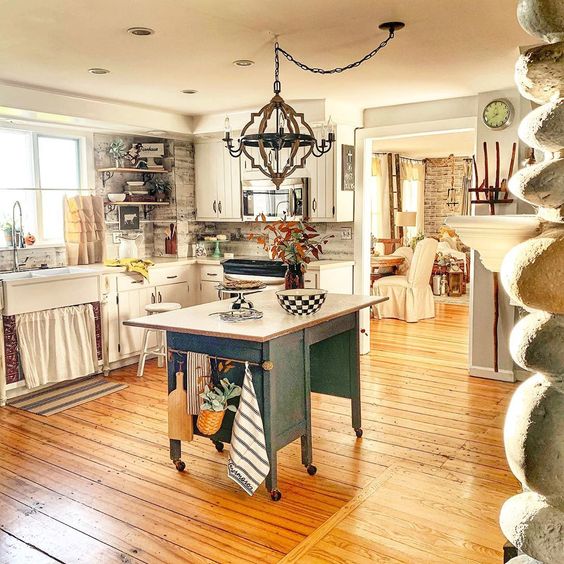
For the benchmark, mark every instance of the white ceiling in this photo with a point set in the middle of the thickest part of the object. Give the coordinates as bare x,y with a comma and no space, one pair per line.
449,48
458,143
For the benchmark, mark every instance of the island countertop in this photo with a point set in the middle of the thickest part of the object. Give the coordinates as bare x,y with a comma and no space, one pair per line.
275,322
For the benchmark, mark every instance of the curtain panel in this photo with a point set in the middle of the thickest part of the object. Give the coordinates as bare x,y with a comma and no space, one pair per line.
380,197
85,229
412,174
40,334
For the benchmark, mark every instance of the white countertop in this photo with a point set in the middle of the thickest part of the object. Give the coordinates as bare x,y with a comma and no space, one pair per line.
162,262
276,322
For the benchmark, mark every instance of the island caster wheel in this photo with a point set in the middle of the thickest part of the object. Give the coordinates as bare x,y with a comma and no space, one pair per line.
219,446
180,465
358,432
275,495
311,469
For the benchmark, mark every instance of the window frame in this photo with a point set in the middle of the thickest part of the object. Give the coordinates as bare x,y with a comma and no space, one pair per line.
85,163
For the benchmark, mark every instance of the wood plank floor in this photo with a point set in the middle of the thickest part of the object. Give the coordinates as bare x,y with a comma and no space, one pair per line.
424,484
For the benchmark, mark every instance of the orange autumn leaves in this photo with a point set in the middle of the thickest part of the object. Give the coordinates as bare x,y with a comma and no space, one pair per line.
292,242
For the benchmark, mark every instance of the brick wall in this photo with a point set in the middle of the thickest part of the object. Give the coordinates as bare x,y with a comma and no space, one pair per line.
438,178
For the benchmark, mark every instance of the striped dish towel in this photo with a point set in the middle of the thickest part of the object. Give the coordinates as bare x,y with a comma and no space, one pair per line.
198,374
248,464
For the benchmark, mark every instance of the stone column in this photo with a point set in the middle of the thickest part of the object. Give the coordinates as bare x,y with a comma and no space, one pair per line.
533,275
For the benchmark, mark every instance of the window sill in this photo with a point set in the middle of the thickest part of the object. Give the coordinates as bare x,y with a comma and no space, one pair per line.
48,245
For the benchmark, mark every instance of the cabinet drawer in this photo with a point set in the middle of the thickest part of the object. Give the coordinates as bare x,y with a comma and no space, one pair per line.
211,273
311,280
161,276
131,281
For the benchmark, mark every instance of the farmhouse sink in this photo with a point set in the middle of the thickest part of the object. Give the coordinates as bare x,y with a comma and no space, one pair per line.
23,292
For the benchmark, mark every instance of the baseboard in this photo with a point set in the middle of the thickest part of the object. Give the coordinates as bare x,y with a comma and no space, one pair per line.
491,374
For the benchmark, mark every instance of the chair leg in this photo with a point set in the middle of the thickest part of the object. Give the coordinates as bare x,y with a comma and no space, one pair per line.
161,349
144,353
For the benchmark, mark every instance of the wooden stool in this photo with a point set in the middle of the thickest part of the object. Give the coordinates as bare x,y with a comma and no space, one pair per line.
160,350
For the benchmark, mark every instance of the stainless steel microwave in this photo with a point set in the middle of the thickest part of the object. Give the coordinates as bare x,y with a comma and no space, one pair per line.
287,202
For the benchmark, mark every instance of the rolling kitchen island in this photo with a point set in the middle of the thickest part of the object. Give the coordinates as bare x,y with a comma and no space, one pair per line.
289,356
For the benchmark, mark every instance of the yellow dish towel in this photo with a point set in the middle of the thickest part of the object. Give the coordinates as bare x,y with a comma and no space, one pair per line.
141,266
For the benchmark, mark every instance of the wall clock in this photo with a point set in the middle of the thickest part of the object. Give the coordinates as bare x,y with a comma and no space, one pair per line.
498,114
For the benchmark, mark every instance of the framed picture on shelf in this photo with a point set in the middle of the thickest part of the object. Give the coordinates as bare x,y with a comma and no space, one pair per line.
347,168
129,218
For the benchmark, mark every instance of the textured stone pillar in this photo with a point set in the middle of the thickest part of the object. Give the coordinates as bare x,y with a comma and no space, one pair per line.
533,275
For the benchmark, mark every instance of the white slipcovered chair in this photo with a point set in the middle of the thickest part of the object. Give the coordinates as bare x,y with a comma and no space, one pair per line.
407,254
409,297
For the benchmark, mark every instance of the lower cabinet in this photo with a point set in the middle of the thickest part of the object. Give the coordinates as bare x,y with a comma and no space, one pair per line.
124,341
208,291
338,280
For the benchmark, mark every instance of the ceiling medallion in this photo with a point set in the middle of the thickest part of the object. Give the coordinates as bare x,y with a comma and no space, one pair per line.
278,131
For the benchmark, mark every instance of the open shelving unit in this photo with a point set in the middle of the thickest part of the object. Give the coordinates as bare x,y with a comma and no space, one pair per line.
148,207
146,173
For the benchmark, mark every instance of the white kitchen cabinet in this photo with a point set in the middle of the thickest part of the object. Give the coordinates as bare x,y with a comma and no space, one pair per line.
178,293
327,201
218,183
132,304
335,278
208,292
210,276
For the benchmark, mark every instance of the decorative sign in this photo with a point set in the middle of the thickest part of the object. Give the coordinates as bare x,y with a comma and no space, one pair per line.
347,167
128,217
151,150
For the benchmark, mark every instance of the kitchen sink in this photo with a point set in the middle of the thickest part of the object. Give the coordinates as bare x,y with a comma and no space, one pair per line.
36,290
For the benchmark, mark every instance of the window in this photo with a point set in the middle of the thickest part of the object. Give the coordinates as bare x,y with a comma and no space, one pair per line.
38,170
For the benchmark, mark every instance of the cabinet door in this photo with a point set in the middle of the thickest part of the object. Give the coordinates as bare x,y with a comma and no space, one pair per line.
132,304
229,190
178,293
111,334
208,292
208,167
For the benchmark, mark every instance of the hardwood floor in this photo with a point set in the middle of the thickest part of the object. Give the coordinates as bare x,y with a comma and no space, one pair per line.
424,484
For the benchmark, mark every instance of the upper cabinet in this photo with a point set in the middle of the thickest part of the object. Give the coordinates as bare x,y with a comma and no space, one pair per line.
218,183
328,202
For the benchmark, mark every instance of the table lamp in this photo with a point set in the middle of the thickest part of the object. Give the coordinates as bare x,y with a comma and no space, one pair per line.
406,219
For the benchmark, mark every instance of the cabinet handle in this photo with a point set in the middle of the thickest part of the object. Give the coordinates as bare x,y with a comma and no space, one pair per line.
214,206
211,274
160,298
172,277
137,282
152,298
219,206
314,205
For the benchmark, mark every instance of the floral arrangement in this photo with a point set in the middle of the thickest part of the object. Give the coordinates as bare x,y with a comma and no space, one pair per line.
415,239
293,242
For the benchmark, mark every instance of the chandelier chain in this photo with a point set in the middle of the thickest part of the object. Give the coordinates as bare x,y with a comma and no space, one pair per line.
317,70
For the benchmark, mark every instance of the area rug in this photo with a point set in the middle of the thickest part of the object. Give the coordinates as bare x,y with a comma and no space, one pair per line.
65,395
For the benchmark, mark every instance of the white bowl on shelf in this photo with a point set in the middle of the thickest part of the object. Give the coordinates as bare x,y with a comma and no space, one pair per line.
114,198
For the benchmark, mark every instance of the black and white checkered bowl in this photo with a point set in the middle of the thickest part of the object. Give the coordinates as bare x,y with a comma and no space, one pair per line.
303,301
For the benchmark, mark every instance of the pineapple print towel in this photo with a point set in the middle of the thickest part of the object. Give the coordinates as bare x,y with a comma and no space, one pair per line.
248,464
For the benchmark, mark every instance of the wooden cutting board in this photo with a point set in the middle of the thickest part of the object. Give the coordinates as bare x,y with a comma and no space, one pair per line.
179,420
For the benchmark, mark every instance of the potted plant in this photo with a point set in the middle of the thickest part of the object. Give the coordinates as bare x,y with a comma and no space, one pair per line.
160,189
295,243
214,404
117,151
8,234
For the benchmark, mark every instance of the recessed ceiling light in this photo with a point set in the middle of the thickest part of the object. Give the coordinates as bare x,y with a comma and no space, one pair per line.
157,132
189,91
97,70
243,63
141,31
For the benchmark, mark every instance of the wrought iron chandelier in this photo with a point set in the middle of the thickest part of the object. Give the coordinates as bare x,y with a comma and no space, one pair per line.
278,131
